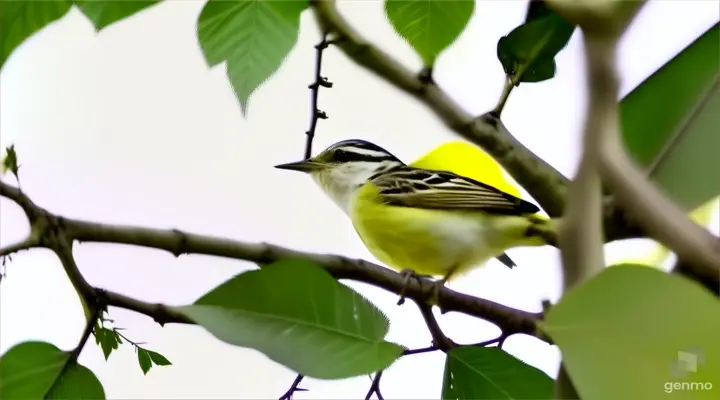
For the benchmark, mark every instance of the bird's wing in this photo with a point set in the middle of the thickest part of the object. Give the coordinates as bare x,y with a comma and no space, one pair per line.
421,188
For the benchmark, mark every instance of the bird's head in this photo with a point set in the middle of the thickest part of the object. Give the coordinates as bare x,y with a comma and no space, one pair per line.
344,167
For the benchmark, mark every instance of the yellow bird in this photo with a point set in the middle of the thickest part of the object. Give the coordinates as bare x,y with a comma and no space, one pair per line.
424,221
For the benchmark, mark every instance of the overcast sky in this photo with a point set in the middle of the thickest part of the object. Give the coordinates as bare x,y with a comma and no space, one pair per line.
129,126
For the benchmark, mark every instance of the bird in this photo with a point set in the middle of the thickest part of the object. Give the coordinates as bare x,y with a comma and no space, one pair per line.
423,222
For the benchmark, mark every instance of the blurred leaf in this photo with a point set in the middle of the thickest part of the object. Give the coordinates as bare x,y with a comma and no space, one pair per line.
157,358
528,52
103,13
653,112
9,162
627,332
429,26
144,360
491,373
77,382
537,9
253,36
300,316
29,369
21,19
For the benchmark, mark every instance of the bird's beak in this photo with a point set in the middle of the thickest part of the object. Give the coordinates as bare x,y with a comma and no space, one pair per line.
308,165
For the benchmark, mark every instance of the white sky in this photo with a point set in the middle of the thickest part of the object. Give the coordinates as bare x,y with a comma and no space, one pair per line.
129,126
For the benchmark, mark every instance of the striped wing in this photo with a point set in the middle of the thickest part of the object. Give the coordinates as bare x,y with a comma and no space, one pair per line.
420,188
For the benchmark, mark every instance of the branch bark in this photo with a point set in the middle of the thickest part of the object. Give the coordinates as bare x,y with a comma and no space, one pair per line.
581,236
177,242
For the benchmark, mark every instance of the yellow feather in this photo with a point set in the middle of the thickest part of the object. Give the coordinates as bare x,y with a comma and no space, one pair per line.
470,161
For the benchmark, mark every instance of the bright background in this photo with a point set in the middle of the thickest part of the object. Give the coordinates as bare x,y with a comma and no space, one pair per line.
129,126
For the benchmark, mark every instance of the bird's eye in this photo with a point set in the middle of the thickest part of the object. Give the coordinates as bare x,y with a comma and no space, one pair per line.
342,156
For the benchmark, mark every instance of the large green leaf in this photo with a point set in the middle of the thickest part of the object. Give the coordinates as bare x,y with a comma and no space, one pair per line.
491,373
103,13
20,19
634,332
528,52
429,26
300,316
681,161
77,382
28,370
253,36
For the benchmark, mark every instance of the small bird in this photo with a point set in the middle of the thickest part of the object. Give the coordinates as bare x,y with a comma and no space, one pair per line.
419,221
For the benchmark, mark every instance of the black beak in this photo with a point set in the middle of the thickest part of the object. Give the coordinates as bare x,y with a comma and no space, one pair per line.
308,165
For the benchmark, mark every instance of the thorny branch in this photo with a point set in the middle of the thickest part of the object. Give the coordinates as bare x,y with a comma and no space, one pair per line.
320,81
293,388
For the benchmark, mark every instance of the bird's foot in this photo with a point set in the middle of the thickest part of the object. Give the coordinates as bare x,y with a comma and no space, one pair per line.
408,274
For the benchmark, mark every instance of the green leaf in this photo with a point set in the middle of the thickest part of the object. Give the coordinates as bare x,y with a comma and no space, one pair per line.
29,369
108,340
77,382
491,373
634,332
528,52
429,26
157,358
103,13
144,360
653,112
253,36
21,19
300,316
9,162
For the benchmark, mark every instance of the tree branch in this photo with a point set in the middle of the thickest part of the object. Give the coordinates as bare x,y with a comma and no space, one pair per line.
176,242
293,388
655,213
440,341
581,234
27,244
96,312
161,313
320,81
543,182
375,387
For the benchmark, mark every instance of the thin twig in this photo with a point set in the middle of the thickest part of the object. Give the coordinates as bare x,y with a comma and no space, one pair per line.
375,387
439,339
507,89
97,310
428,349
320,81
293,388
26,244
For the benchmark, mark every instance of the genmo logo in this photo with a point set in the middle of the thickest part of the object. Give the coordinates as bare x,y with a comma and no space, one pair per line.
684,366
670,387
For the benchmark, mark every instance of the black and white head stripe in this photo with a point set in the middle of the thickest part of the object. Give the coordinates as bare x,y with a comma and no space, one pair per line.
358,150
